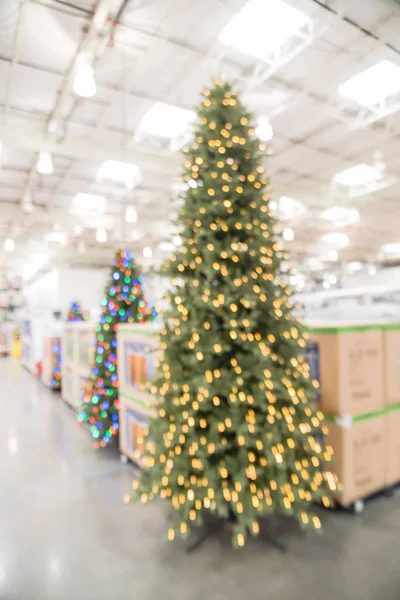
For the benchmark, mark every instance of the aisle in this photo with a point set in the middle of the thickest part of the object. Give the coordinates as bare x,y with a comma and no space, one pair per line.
64,532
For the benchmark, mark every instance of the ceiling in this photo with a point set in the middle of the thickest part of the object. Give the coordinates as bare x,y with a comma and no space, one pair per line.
158,50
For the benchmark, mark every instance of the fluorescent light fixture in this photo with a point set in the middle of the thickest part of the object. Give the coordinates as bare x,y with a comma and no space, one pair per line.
288,234
354,266
27,205
375,84
297,281
101,235
333,238
289,208
136,235
84,83
122,172
57,237
333,255
9,245
262,26
359,175
88,204
341,216
391,249
44,164
273,205
147,252
264,129
131,215
177,240
165,120
167,246
314,263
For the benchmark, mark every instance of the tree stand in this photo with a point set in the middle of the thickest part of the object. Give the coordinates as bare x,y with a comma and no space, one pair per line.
215,526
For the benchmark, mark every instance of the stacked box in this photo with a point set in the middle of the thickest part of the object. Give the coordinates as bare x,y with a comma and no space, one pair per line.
351,369
51,364
78,351
391,353
138,355
392,471
351,376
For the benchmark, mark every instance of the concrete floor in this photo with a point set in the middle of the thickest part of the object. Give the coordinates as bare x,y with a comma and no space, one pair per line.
65,533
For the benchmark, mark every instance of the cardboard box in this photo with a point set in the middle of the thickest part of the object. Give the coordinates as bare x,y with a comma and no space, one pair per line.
360,456
392,472
351,369
138,355
134,414
391,356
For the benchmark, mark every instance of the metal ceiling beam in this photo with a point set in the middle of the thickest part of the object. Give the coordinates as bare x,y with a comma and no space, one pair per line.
14,59
31,136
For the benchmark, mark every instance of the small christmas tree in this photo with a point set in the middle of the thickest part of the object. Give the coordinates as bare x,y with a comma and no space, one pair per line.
75,312
123,303
236,431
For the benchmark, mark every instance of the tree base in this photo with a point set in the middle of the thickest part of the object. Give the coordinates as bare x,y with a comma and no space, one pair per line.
217,526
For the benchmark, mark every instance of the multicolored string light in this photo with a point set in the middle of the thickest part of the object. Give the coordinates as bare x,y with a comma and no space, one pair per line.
55,381
123,303
75,312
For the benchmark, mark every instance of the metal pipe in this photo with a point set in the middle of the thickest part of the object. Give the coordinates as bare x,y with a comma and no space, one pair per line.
14,60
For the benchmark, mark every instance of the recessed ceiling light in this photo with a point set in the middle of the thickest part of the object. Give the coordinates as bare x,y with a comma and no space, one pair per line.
101,235
391,249
289,208
44,164
78,229
288,234
375,84
122,172
165,120
147,252
88,204
354,266
262,26
359,175
341,216
333,255
131,215
338,240
9,245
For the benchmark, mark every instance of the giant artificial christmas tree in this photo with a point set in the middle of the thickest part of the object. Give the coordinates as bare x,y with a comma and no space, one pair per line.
237,432
123,303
